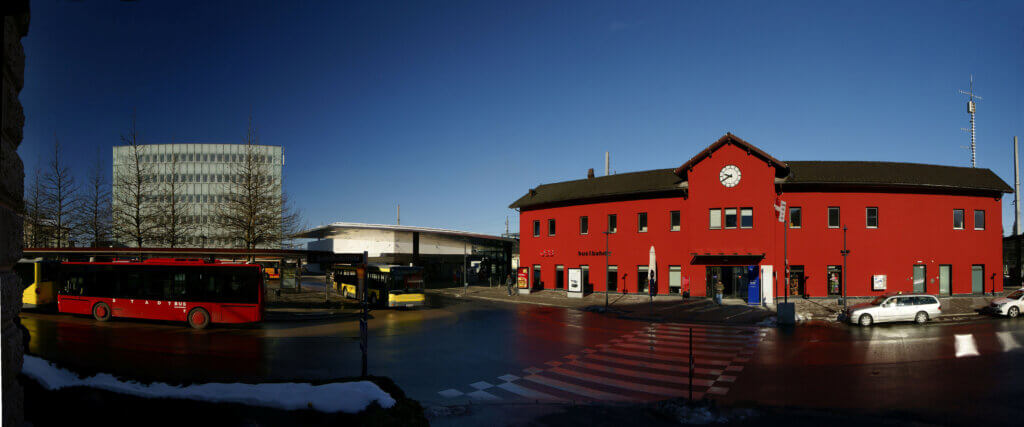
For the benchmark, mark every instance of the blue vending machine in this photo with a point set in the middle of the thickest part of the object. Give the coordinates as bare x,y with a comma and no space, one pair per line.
753,285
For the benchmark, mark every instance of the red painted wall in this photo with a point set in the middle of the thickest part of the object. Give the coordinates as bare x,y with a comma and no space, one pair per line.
913,228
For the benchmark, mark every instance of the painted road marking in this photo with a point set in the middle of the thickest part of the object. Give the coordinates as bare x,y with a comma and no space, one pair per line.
574,389
668,350
680,368
525,392
965,346
482,395
642,375
626,385
481,385
508,378
683,344
666,358
1008,341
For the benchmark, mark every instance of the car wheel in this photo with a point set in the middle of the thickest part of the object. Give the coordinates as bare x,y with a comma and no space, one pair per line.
921,317
865,320
1013,312
198,318
101,311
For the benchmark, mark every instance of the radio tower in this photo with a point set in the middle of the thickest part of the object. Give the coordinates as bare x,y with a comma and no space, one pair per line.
970,110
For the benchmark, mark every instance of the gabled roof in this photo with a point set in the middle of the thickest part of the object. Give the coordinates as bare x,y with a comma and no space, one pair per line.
893,175
634,183
781,169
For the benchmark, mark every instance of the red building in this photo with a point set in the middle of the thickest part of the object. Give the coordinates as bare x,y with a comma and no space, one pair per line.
908,227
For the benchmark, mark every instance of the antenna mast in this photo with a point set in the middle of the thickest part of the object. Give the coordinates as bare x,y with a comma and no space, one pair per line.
970,110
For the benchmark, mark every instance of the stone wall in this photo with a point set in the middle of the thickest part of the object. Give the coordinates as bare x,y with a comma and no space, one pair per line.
12,177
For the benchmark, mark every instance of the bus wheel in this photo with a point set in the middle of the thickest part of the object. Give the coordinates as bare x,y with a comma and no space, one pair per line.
101,311
198,318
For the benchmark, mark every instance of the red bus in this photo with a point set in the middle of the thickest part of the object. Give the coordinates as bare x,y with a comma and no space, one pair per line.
196,291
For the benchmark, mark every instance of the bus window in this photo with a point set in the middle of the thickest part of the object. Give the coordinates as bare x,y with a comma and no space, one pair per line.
128,284
178,288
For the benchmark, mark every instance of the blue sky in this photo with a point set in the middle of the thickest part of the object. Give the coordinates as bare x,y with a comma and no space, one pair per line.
454,109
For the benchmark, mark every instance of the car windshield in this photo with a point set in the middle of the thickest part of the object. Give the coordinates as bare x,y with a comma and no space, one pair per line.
879,300
1016,295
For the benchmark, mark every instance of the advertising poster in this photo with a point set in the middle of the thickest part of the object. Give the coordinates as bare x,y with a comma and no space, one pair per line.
878,282
575,280
523,278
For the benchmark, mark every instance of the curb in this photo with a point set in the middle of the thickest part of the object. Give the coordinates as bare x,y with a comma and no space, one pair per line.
301,317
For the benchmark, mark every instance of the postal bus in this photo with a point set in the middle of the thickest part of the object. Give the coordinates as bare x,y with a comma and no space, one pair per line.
39,275
386,285
195,291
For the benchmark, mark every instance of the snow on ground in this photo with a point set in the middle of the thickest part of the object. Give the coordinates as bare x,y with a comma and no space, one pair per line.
350,397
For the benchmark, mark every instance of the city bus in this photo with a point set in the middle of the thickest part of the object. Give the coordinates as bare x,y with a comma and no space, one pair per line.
39,275
386,285
198,292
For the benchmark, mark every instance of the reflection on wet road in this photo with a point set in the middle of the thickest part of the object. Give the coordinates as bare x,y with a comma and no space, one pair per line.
478,351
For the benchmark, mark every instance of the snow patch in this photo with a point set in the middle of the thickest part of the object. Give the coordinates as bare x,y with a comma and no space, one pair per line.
349,397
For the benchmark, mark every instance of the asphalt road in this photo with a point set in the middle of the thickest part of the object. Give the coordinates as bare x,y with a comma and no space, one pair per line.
514,355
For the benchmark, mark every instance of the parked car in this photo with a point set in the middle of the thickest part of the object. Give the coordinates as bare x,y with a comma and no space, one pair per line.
895,308
1011,305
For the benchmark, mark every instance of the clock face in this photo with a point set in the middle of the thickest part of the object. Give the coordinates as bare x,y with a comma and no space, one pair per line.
729,176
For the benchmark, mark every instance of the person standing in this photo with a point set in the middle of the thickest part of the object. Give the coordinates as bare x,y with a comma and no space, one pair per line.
719,289
508,284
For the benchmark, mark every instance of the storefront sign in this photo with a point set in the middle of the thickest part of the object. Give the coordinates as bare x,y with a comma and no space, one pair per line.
547,253
523,278
590,253
575,280
878,282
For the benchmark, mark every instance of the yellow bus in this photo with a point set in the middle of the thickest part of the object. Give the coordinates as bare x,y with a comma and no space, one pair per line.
386,285
40,276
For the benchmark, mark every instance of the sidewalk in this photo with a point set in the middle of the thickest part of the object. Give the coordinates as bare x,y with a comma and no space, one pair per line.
664,308
953,308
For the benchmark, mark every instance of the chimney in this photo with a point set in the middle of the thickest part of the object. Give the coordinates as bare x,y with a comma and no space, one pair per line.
590,173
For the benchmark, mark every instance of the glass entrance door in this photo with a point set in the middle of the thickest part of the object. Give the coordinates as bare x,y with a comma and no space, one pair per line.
978,279
613,272
559,277
945,278
919,279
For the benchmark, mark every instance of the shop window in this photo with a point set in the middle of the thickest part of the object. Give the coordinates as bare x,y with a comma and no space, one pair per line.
612,284
747,218
835,280
958,219
795,219
730,217
537,284
551,227
641,222
675,279
584,225
871,217
833,217
536,228
715,215
674,220
641,278
612,223
979,220
585,270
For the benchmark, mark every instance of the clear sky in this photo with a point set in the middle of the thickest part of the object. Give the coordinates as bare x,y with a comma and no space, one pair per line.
454,109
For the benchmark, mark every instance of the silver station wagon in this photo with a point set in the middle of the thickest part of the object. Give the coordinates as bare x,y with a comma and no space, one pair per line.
895,308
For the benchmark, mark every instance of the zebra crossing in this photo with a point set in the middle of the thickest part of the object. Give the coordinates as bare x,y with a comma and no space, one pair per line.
649,363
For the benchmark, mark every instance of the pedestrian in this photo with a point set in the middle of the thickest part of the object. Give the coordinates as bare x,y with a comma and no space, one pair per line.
719,289
508,284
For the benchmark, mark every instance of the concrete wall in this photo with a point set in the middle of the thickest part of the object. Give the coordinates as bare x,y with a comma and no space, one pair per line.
12,177
378,242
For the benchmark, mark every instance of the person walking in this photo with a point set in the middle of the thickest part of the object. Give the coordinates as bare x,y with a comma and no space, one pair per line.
508,284
719,289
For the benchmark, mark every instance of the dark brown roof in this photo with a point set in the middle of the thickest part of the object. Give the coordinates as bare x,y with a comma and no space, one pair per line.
624,184
891,174
729,138
801,173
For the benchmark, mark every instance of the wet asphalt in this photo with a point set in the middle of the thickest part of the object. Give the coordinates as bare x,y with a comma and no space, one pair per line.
942,373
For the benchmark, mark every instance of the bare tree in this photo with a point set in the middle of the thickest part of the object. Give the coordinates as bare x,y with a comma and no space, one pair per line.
134,217
60,194
174,223
93,217
256,211
37,229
